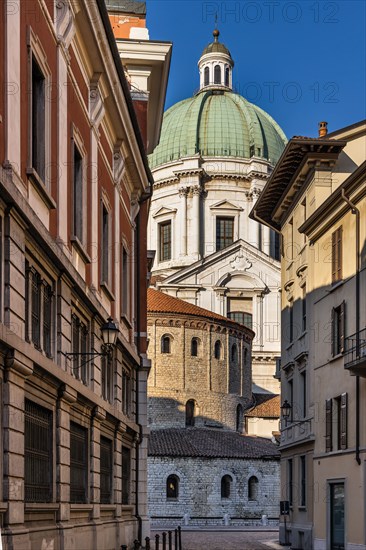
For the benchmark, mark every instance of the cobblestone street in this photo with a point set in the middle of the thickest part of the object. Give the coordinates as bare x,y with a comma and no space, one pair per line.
230,540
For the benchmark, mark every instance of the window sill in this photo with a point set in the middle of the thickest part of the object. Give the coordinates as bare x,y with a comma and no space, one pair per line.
81,507
41,188
105,287
30,506
302,335
336,285
302,508
80,249
172,499
289,346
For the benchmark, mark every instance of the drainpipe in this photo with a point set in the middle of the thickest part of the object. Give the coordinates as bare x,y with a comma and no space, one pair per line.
145,197
356,212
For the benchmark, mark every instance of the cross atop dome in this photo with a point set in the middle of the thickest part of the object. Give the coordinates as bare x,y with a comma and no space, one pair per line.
216,66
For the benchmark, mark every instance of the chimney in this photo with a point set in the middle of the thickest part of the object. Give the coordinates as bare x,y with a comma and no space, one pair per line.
323,129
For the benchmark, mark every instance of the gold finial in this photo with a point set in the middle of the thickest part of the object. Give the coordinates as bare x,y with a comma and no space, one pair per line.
216,35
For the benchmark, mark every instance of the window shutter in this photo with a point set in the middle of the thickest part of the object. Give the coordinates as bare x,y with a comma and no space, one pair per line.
339,254
342,325
344,421
333,330
328,425
334,256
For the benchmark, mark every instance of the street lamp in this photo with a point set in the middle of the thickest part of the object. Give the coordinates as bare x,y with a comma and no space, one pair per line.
286,410
109,332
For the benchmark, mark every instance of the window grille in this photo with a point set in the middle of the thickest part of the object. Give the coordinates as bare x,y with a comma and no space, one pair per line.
126,393
126,475
107,365
36,308
80,345
78,463
106,470
37,453
47,318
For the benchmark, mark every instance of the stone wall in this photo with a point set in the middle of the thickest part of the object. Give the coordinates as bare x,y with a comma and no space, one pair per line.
200,491
217,386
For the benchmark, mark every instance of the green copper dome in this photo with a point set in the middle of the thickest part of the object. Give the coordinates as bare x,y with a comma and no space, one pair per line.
217,124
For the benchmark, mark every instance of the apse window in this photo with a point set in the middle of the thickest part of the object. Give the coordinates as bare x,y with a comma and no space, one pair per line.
253,488
218,349
172,487
165,240
224,232
194,347
165,344
226,482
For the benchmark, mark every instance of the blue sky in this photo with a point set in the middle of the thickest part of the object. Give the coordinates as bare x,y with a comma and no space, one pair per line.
302,61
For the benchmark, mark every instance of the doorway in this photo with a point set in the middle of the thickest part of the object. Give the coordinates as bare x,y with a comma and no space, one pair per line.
337,530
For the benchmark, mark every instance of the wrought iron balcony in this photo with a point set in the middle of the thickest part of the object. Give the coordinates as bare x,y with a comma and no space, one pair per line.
355,353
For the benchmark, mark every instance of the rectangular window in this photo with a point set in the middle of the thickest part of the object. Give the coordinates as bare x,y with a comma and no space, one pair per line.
337,255
328,425
291,396
125,284
78,463
338,328
302,480
290,481
37,453
304,396
39,310
126,475
78,195
126,393
106,470
304,309
80,346
224,232
291,322
105,256
38,120
107,375
165,240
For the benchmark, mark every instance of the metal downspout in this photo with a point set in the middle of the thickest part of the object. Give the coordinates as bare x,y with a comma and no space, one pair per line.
356,212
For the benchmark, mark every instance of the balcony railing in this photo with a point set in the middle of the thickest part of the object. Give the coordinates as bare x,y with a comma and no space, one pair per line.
355,353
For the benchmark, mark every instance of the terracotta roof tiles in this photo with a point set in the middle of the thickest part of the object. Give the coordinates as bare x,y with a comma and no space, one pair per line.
265,405
210,443
159,302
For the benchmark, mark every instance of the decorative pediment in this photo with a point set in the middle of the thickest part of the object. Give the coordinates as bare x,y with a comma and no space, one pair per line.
225,205
164,211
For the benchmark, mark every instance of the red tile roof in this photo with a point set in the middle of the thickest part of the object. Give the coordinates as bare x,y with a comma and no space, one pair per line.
210,443
159,302
265,405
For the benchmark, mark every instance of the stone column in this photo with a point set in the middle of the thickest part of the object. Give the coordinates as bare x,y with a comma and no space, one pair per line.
183,191
196,222
266,240
18,368
98,416
66,397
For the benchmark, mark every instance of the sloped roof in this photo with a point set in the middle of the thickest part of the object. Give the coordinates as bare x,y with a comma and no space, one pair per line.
209,443
159,302
266,405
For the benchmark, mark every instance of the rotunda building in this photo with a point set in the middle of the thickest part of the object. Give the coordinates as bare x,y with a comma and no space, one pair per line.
215,155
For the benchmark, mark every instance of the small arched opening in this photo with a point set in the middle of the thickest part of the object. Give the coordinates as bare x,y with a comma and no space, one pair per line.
165,344
217,350
226,482
217,74
191,410
253,488
172,487
207,76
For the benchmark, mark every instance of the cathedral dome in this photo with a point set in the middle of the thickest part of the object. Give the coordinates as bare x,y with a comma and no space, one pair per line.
218,123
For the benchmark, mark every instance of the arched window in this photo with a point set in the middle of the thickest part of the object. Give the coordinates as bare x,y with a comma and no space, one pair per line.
253,488
207,76
194,347
172,487
234,353
190,412
165,344
217,74
239,417
217,349
227,76
226,482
